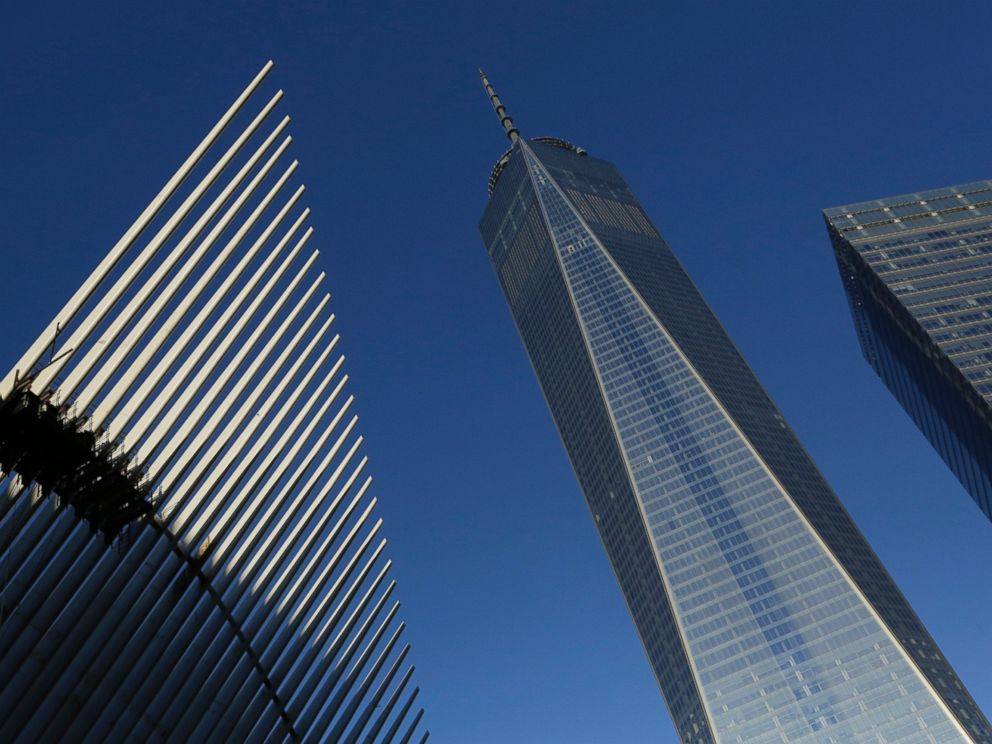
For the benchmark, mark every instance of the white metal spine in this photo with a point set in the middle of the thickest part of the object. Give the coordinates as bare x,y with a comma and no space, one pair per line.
162,296
34,353
254,603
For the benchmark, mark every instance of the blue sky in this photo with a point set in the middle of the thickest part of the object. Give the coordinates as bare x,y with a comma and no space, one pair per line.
734,124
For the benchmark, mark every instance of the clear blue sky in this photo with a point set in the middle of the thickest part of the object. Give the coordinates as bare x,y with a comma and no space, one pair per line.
734,123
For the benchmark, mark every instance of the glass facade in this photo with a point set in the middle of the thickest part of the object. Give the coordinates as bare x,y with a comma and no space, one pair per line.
918,274
764,613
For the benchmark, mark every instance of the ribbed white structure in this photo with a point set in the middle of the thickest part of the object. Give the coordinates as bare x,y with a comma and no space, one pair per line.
253,604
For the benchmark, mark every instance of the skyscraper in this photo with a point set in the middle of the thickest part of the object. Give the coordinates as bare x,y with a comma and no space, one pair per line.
765,615
917,270
189,405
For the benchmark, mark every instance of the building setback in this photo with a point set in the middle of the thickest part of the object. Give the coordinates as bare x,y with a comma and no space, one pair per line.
917,270
188,544
764,613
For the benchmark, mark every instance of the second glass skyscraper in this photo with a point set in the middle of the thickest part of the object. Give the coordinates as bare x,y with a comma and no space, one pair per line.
764,613
917,270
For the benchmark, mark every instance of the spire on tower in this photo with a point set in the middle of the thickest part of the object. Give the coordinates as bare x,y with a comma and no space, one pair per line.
504,118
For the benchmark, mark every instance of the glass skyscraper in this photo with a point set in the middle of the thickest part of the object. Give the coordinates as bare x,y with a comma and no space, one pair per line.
763,611
918,274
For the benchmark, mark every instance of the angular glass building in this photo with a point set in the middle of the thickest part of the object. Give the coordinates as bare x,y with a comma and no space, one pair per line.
917,270
189,549
764,613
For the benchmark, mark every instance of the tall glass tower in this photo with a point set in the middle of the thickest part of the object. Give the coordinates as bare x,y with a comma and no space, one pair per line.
918,274
763,611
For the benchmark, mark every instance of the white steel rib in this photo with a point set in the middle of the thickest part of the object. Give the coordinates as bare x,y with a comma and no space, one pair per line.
37,349
234,584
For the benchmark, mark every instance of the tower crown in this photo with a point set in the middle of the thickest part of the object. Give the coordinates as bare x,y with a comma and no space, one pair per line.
514,134
497,170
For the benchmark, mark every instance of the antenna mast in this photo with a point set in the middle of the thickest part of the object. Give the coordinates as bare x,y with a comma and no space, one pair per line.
504,118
